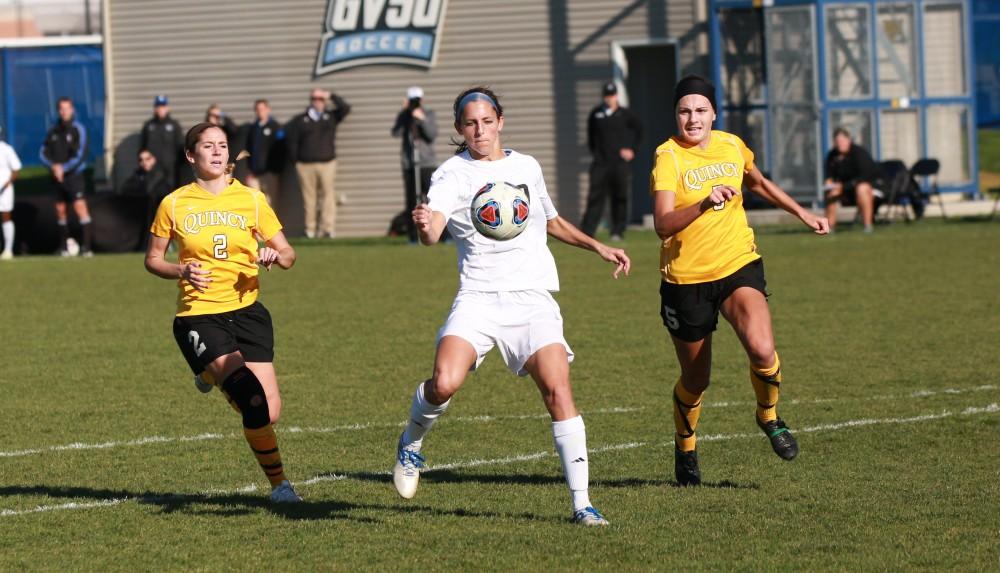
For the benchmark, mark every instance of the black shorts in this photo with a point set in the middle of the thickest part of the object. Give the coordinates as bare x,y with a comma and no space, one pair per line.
691,311
73,187
203,338
849,195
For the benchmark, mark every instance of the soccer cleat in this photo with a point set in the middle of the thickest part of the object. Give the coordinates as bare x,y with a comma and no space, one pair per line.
406,473
201,385
284,494
6,256
686,467
782,441
87,254
589,517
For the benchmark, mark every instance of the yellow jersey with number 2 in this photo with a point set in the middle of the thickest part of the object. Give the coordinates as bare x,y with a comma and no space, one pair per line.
719,241
221,232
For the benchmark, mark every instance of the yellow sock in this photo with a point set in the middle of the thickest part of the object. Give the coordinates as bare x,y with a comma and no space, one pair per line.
687,409
264,444
767,387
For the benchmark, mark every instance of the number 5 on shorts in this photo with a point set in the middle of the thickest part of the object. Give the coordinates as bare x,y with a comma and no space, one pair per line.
671,317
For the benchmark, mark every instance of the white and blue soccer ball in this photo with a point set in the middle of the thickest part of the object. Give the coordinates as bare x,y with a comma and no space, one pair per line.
500,210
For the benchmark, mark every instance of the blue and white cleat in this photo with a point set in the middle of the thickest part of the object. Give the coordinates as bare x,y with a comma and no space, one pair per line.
284,494
589,517
406,473
201,385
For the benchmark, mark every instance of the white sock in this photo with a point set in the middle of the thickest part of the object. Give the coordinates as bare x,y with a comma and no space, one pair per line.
571,443
423,414
8,236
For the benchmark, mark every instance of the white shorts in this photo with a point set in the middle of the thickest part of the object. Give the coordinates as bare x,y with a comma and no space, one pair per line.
518,322
7,199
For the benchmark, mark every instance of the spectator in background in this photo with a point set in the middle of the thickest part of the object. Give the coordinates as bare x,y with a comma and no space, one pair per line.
10,164
216,116
613,134
265,140
312,147
149,181
163,137
64,153
851,175
418,127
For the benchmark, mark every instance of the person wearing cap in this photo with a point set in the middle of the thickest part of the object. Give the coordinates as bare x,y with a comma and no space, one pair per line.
417,125
709,263
10,165
163,137
613,134
311,143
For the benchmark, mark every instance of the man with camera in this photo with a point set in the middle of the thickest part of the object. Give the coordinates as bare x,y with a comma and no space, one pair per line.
417,126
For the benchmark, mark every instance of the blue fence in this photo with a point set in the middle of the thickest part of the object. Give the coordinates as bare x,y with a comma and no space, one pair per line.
32,79
986,22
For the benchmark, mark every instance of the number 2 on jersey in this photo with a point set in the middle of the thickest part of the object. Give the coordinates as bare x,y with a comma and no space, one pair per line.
221,243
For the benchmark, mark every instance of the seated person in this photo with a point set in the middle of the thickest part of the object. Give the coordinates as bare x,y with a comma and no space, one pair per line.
851,175
149,180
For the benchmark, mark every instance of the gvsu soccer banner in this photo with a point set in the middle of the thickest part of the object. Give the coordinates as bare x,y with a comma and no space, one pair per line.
362,32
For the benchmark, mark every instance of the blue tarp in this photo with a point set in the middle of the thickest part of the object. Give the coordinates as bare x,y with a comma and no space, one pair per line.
33,79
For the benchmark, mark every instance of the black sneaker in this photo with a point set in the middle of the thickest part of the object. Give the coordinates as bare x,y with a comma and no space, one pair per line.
686,467
782,441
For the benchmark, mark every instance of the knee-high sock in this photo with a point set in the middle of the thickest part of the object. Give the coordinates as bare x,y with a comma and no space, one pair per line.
767,387
423,414
63,233
86,234
264,444
687,410
8,236
571,443
245,393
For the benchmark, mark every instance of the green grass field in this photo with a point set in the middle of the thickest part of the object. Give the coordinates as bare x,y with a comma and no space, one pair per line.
112,461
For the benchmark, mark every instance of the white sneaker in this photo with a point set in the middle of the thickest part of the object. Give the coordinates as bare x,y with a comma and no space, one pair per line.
284,494
6,256
589,517
310,234
201,385
406,473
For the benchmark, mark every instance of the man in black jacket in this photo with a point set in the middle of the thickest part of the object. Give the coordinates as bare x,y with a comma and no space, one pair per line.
264,138
64,153
150,182
613,134
164,138
851,175
311,144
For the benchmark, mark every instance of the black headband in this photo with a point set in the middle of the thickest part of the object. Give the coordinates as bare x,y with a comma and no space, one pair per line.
694,85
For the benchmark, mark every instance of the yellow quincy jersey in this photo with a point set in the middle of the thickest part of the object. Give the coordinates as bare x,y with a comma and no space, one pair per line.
719,241
219,231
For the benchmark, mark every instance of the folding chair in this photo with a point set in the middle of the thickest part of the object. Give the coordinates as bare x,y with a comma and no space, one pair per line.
895,194
927,169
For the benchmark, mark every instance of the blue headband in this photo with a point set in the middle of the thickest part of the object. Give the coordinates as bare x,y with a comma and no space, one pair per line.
471,97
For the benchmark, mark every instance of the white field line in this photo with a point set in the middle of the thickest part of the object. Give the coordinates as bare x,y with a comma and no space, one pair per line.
149,440
823,428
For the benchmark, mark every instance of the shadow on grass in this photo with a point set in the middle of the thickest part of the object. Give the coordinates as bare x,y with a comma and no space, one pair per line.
448,476
236,505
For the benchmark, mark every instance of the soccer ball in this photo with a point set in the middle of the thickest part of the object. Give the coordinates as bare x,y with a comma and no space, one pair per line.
500,210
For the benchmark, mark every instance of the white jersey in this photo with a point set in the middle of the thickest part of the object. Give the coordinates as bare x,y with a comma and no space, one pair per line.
9,163
521,263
